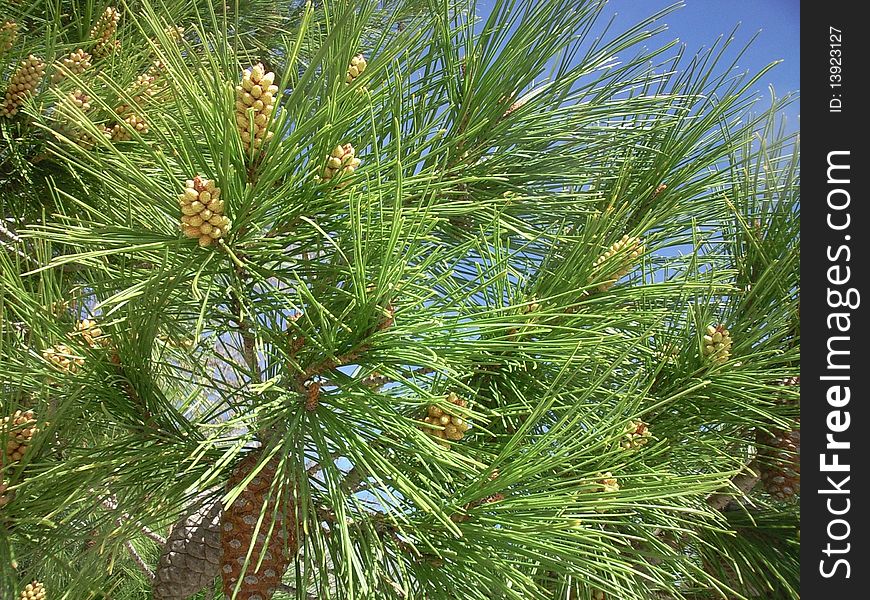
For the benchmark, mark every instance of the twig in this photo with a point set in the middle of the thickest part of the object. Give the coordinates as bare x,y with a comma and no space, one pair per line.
249,345
290,590
16,240
137,558
113,505
743,482
140,562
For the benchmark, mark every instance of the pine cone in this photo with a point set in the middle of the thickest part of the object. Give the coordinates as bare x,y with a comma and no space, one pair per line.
342,161
780,462
637,434
104,30
8,35
237,533
32,591
22,84
255,101
355,69
445,425
17,431
203,211
191,558
628,249
717,343
62,357
75,62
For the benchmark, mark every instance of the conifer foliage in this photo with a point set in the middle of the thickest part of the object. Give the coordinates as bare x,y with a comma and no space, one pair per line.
355,300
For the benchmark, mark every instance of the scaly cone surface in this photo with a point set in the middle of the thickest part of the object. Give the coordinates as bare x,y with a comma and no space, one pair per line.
274,542
191,558
780,454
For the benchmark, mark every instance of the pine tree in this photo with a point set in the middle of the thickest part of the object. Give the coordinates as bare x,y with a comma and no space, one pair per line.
354,300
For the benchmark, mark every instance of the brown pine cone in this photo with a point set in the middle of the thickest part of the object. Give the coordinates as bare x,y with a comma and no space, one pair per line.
239,523
191,558
779,454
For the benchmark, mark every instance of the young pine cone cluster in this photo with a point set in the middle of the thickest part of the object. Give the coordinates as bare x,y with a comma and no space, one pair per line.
74,62
342,161
123,132
636,434
8,35
355,69
443,424
22,84
103,32
608,482
33,591
91,333
70,104
17,431
627,249
63,357
717,343
67,113
255,101
143,89
202,211
779,455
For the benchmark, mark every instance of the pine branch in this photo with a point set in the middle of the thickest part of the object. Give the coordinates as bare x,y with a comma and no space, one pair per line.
140,562
743,483
112,505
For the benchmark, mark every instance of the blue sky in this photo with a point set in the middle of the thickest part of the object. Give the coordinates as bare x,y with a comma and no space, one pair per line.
698,23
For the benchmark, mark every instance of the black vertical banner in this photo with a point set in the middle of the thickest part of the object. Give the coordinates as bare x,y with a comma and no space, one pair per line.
835,267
